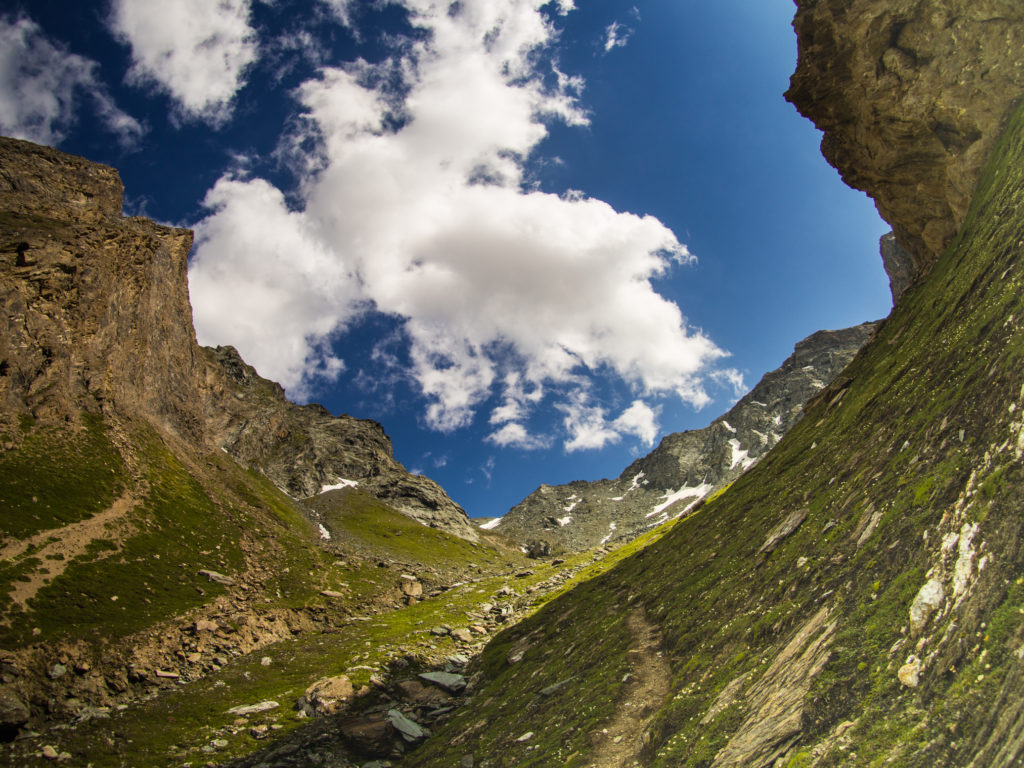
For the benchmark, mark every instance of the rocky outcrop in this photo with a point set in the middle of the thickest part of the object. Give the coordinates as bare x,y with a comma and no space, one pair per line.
687,466
304,449
911,96
899,265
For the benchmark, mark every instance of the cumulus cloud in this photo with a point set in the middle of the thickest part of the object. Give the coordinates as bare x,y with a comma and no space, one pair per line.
418,209
514,435
262,271
588,426
41,85
196,51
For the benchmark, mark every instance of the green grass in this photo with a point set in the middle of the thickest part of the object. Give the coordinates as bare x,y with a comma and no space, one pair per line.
58,476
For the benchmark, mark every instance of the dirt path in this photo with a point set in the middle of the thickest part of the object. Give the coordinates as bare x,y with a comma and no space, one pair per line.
619,745
59,546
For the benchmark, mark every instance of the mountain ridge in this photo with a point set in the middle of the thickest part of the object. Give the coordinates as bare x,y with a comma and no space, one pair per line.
685,467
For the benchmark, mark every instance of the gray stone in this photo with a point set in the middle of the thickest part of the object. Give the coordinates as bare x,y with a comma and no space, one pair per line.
411,730
218,578
447,680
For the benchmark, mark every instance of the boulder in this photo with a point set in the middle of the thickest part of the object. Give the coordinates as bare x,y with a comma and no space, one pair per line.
327,696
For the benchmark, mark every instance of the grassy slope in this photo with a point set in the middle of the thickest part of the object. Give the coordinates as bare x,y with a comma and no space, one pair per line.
932,417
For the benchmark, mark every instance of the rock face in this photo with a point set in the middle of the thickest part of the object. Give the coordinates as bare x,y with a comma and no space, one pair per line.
97,318
899,265
911,95
304,449
687,466
96,313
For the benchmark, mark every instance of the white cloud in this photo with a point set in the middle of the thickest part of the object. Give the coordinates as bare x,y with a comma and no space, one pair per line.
589,428
40,87
640,420
502,290
263,272
513,435
730,377
616,36
197,51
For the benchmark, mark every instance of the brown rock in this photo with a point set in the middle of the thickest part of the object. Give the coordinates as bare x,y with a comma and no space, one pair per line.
329,695
373,735
415,693
412,588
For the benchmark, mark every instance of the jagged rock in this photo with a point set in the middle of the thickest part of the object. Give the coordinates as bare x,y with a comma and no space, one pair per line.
898,263
412,588
410,730
784,529
686,466
909,108
252,709
218,578
372,735
415,693
910,673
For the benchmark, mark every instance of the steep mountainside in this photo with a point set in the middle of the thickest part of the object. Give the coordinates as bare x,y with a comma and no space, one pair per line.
98,320
687,466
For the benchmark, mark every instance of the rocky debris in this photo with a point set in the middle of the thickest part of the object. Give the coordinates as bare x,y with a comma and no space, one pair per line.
910,110
687,466
327,696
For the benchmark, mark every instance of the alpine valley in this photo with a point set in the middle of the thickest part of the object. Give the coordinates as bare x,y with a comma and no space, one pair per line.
195,571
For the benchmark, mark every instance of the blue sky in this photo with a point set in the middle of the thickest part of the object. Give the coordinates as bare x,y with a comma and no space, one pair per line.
529,239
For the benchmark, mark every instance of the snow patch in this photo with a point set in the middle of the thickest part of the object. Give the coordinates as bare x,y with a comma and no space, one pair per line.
324,533
564,521
611,530
696,492
491,524
338,485
740,457
728,426
575,500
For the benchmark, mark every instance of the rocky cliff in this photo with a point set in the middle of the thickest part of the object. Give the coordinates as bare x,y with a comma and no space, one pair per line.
911,96
93,302
98,320
687,466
